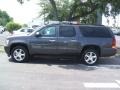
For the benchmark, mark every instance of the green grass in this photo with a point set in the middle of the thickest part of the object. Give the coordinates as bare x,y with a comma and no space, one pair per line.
1,49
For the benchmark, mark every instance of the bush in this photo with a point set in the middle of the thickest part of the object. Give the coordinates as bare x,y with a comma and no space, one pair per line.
11,26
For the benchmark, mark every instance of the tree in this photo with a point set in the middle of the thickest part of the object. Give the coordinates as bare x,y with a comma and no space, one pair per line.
52,2
4,18
76,9
62,10
11,26
68,11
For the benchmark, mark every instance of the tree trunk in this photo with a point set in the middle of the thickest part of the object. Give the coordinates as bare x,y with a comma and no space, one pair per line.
52,2
99,18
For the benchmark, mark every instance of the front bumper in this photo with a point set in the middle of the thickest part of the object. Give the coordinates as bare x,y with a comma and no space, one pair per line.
7,50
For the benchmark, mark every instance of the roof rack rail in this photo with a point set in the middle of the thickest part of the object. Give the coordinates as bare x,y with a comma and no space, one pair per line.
70,23
92,24
62,22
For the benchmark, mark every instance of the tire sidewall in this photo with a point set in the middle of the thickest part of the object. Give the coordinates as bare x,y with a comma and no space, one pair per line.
26,54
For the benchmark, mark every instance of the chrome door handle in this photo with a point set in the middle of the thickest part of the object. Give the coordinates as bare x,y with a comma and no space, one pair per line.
73,40
65,41
52,40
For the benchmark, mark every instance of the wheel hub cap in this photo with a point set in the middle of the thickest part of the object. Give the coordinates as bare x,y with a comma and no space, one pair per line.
90,57
19,54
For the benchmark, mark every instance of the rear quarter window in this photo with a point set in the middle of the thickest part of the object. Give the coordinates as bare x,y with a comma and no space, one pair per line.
102,32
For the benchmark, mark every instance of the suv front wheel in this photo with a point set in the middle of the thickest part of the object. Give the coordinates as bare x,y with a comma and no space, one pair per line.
19,54
90,57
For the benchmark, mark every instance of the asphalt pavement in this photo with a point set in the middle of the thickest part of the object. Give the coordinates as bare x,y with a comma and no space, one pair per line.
59,74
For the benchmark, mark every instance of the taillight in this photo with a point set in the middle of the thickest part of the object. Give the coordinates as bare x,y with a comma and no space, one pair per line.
113,42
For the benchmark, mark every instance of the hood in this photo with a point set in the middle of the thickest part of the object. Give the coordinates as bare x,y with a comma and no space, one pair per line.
23,36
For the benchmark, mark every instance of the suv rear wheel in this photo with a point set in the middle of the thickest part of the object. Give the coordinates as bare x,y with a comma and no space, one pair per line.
19,54
90,57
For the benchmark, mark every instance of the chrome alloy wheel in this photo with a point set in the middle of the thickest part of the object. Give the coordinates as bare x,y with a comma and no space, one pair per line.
90,58
19,54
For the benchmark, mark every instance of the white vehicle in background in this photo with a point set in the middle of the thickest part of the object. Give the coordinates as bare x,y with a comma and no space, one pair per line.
23,31
1,29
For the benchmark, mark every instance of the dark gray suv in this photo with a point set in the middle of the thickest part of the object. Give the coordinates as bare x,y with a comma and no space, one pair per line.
89,42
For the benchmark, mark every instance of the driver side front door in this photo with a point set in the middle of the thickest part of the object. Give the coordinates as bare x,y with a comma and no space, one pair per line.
47,42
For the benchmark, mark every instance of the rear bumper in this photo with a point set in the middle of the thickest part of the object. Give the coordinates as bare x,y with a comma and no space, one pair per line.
106,52
7,50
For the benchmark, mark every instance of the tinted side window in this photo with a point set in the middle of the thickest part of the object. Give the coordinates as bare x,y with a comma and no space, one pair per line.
67,31
95,31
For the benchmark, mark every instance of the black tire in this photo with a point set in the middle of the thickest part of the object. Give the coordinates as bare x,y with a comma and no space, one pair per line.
90,62
26,57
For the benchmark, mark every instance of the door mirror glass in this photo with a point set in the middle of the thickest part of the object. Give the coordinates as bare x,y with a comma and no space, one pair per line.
37,34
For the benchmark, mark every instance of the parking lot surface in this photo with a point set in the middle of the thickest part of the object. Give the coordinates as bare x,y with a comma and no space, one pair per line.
54,74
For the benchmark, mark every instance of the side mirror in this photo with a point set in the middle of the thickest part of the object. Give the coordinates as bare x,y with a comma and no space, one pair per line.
37,34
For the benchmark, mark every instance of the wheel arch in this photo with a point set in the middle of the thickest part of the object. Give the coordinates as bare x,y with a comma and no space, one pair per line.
18,44
95,47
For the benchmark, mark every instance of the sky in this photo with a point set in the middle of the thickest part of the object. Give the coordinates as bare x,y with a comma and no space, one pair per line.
111,21
21,13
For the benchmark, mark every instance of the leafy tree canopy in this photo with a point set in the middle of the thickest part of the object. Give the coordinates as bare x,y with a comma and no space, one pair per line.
11,26
4,18
76,8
